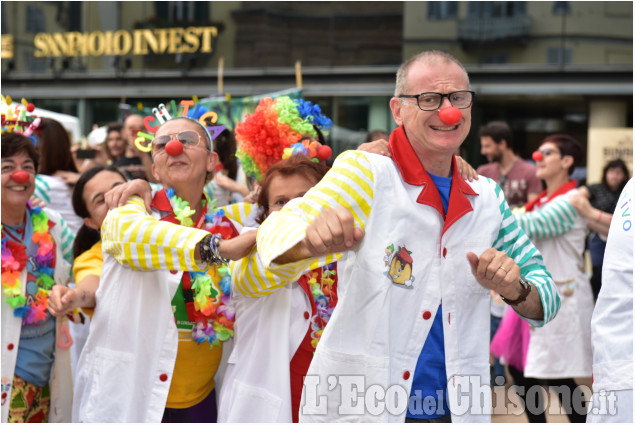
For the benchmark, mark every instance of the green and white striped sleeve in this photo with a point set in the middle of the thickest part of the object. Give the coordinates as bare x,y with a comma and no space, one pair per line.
554,219
142,242
68,237
42,189
349,183
512,239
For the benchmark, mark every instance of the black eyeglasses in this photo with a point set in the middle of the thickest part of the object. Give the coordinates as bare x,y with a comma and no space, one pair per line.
431,101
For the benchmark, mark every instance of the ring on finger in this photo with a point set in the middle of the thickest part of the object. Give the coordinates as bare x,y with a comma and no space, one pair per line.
504,269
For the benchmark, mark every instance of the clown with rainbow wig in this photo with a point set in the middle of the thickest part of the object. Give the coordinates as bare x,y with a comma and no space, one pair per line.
279,128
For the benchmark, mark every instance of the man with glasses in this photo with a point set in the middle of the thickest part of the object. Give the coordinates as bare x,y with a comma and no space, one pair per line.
157,333
516,177
420,250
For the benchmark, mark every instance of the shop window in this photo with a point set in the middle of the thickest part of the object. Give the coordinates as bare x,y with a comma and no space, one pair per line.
33,64
182,11
3,19
75,16
35,21
501,57
559,55
561,7
496,9
442,10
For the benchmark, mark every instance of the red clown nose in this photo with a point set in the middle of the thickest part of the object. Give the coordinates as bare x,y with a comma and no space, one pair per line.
324,153
450,115
536,156
20,176
174,148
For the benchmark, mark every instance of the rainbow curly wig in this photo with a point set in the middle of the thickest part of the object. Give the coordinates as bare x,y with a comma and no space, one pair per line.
277,129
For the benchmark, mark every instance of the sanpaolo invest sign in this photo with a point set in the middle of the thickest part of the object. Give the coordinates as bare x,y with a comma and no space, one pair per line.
122,42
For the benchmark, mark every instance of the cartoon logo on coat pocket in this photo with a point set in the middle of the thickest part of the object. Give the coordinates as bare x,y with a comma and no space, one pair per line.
399,266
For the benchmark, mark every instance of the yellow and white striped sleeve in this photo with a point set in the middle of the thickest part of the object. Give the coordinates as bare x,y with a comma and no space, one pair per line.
349,183
142,242
251,278
238,212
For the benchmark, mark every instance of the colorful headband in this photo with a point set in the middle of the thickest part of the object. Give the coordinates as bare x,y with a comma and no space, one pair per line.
17,118
190,109
277,129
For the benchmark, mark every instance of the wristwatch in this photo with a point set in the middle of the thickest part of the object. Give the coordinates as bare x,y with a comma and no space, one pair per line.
523,295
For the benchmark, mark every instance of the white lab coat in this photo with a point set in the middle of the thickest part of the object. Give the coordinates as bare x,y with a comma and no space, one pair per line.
612,323
125,369
562,348
60,382
378,329
268,331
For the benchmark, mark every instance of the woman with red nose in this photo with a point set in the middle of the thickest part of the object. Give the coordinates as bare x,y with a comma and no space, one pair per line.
561,350
36,377
161,318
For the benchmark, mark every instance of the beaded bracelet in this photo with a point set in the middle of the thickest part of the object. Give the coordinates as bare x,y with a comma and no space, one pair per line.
209,247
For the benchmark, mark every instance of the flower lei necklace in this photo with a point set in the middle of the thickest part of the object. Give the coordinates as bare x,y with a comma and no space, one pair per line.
14,258
325,298
211,297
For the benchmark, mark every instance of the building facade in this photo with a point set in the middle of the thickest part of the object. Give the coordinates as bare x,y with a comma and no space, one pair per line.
542,66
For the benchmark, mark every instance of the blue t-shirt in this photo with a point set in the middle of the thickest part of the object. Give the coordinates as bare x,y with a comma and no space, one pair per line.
36,350
428,395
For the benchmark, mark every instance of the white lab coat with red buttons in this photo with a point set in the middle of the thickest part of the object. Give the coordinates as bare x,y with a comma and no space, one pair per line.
378,329
571,356
268,331
61,382
125,369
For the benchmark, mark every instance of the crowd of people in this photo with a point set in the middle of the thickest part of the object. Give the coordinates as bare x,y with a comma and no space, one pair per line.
238,278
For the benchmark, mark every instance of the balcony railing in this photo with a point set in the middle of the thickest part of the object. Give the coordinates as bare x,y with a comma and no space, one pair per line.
488,30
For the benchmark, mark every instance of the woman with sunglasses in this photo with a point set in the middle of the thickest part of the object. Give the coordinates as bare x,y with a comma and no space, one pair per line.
156,337
36,376
561,350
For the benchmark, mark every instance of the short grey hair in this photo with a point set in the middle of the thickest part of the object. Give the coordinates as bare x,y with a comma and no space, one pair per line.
427,56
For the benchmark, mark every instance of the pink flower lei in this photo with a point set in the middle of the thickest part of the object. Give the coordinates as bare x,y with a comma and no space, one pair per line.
212,290
13,262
